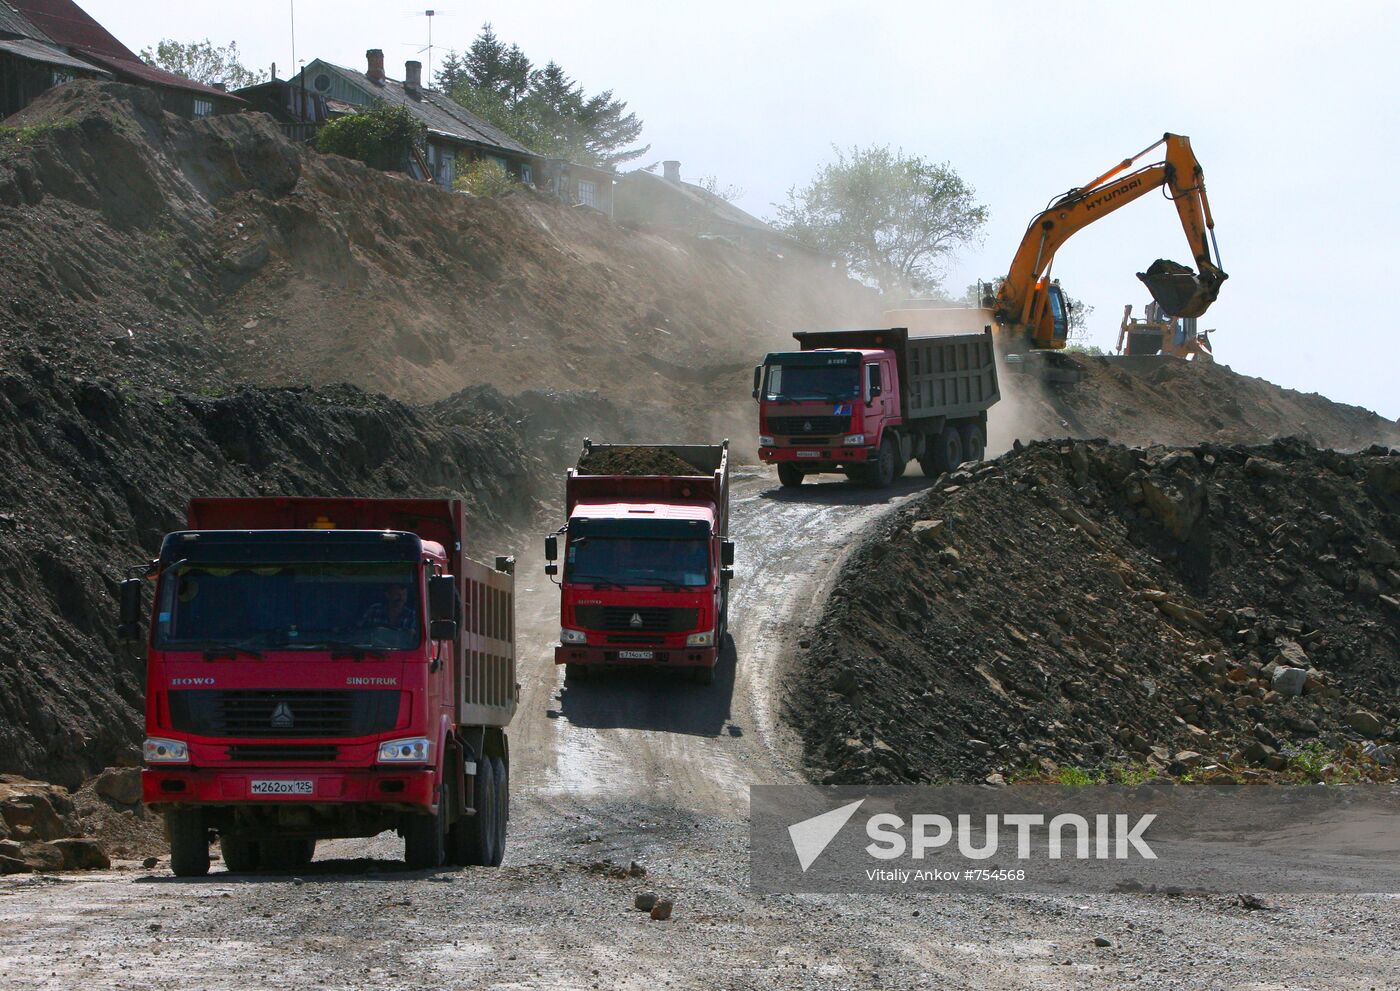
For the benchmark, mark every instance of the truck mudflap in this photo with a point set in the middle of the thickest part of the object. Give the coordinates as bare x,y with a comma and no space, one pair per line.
658,657
244,785
816,455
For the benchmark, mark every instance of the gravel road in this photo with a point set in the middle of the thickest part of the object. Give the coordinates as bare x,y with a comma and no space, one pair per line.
648,770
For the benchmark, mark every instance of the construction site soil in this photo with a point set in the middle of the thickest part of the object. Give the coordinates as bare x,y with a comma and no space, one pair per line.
1079,610
635,461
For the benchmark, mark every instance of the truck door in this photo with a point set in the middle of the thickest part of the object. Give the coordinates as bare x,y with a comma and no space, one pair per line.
874,389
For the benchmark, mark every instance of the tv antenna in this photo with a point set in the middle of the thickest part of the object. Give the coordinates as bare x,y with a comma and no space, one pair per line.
429,14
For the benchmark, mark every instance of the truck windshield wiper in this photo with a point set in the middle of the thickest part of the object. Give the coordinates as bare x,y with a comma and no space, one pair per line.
664,583
595,580
356,650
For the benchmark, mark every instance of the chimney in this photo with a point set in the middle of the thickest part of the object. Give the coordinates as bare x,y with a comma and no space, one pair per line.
413,77
375,58
672,170
221,87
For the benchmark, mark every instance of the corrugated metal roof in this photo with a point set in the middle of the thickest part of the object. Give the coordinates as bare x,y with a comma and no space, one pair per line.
68,25
437,111
12,22
705,200
37,51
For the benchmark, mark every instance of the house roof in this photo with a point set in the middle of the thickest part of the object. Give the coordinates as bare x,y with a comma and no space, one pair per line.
19,37
439,113
68,25
705,200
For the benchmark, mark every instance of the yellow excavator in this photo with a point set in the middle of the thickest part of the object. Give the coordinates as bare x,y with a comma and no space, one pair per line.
1027,299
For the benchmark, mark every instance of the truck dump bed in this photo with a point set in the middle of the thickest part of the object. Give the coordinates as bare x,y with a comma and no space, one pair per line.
485,670
953,375
657,472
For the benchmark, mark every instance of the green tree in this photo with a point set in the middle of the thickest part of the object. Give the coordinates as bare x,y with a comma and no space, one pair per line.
544,109
894,218
202,62
451,71
381,136
485,177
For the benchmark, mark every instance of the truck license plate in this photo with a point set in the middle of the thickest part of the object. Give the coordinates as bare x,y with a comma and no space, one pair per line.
809,454
636,655
299,787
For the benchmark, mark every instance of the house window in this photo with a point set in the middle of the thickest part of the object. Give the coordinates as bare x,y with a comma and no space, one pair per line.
322,83
203,108
60,77
527,175
588,193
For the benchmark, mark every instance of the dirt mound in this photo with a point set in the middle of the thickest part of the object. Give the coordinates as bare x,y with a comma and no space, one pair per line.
1083,608
93,472
635,461
1139,401
310,268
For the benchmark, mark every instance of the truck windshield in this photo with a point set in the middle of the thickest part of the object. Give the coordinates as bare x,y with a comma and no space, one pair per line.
301,606
797,382
665,561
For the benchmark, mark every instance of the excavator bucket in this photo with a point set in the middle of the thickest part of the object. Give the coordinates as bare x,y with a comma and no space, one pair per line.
1178,290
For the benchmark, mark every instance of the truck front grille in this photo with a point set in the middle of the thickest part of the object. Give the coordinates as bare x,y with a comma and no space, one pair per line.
637,619
282,753
283,713
805,426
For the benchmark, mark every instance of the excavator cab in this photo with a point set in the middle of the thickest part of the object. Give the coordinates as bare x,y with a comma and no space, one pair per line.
1178,290
1059,313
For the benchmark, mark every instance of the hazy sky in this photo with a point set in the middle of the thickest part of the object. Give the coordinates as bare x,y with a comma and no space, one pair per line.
1291,109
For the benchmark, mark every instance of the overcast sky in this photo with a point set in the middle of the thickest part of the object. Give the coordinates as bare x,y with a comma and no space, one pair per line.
1291,109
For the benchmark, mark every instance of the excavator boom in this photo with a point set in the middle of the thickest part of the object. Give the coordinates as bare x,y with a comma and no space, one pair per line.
1028,300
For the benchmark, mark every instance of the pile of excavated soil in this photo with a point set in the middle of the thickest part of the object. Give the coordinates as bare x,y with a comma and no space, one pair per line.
92,475
635,461
1217,609
1162,400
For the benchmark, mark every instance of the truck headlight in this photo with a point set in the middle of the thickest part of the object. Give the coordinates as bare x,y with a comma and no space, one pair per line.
706,639
413,750
158,751
573,636
765,441
853,440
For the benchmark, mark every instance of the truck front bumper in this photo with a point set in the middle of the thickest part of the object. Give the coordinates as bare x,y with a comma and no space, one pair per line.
661,657
816,456
233,786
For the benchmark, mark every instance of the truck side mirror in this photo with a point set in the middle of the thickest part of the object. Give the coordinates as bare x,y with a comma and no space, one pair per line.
726,573
551,569
129,612
551,548
726,553
442,601
757,379
442,629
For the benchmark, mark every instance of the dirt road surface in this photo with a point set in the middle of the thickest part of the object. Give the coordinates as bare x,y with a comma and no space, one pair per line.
656,771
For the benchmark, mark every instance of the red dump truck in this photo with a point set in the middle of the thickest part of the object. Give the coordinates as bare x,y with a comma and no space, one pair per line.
322,668
867,402
647,559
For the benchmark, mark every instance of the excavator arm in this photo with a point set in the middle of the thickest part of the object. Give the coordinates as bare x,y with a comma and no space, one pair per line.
1028,299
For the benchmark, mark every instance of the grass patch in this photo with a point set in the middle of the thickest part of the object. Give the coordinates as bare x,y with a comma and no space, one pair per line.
27,134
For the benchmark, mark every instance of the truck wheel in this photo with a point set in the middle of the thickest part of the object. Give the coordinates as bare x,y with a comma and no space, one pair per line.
241,855
472,837
946,453
425,839
789,475
501,809
974,441
882,474
189,844
286,853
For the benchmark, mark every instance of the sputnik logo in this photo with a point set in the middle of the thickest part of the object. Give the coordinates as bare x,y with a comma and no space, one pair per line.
811,836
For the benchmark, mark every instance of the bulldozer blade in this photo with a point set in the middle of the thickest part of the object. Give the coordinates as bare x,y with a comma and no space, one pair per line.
1178,290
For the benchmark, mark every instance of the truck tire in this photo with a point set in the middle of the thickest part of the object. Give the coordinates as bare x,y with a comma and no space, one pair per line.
472,838
425,839
502,809
241,855
789,475
285,853
974,441
882,472
945,453
189,843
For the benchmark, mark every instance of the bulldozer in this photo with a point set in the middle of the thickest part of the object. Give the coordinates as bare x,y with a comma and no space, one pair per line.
1158,333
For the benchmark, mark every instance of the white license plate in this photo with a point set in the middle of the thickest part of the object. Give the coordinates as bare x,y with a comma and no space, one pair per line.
636,655
299,787
809,454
